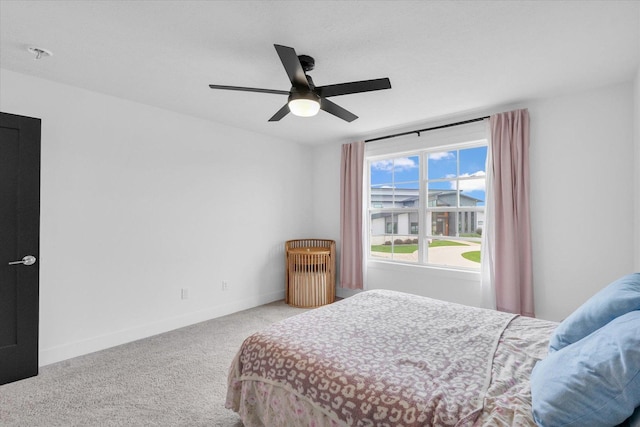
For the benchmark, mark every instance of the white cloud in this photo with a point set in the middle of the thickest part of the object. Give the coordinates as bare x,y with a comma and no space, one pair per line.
399,164
471,184
479,174
442,155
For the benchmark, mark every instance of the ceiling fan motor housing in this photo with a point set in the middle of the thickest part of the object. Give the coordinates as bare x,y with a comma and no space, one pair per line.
303,93
307,62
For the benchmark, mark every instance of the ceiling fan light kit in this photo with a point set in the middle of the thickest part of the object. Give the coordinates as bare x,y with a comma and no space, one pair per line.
305,98
304,104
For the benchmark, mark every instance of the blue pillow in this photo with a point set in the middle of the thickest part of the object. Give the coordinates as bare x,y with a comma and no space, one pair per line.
618,298
593,382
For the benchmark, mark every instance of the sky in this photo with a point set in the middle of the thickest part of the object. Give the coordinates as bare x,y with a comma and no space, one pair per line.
469,165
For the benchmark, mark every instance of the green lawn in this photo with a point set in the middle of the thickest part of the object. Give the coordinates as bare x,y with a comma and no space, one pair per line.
472,256
437,243
399,249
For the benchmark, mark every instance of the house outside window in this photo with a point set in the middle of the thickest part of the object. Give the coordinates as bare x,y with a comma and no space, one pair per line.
414,228
426,206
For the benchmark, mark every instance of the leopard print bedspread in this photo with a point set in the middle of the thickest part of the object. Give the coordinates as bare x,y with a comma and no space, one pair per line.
379,358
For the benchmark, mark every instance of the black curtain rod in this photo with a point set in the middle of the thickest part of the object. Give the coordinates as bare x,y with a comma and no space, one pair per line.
479,119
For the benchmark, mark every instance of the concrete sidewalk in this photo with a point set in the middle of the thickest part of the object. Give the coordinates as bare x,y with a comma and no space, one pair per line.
442,255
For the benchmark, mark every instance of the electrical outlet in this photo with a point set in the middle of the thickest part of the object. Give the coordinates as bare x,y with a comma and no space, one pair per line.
225,285
184,293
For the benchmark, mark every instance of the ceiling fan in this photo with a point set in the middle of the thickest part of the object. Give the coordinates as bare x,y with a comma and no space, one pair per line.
305,98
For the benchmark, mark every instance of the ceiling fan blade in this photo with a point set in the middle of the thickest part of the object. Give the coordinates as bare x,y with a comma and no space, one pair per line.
250,89
337,110
292,66
353,87
280,114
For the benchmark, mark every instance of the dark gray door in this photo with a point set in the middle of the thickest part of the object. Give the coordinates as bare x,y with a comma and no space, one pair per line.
19,246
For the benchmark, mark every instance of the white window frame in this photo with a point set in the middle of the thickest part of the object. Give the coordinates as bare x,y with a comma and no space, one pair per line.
454,138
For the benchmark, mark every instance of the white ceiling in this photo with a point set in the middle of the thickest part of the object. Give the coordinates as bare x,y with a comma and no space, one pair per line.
443,58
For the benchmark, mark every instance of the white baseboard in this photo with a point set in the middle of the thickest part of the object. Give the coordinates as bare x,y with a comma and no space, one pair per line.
79,348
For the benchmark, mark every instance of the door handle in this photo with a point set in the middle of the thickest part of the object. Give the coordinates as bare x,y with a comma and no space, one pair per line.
27,260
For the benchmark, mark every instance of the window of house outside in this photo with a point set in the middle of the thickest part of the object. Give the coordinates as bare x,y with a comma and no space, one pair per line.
426,207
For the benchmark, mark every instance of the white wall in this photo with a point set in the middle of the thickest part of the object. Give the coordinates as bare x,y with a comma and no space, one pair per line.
582,204
138,202
582,196
326,195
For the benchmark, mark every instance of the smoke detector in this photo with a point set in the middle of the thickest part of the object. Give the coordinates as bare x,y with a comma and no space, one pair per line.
39,52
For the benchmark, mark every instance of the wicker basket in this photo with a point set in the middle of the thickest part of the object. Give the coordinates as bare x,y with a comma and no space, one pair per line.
310,272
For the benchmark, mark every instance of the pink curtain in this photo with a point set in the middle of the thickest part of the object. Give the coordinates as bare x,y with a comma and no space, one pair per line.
351,175
512,275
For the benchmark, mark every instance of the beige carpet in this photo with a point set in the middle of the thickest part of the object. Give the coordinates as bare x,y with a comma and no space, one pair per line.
174,379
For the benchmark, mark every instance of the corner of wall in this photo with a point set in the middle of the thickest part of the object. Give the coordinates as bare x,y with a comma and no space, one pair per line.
636,167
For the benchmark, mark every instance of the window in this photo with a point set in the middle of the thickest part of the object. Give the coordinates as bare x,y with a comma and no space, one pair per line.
426,206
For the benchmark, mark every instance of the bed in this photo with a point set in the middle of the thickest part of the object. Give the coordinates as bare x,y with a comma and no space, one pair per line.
384,358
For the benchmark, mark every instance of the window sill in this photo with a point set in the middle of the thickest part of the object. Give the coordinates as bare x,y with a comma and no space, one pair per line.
451,273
